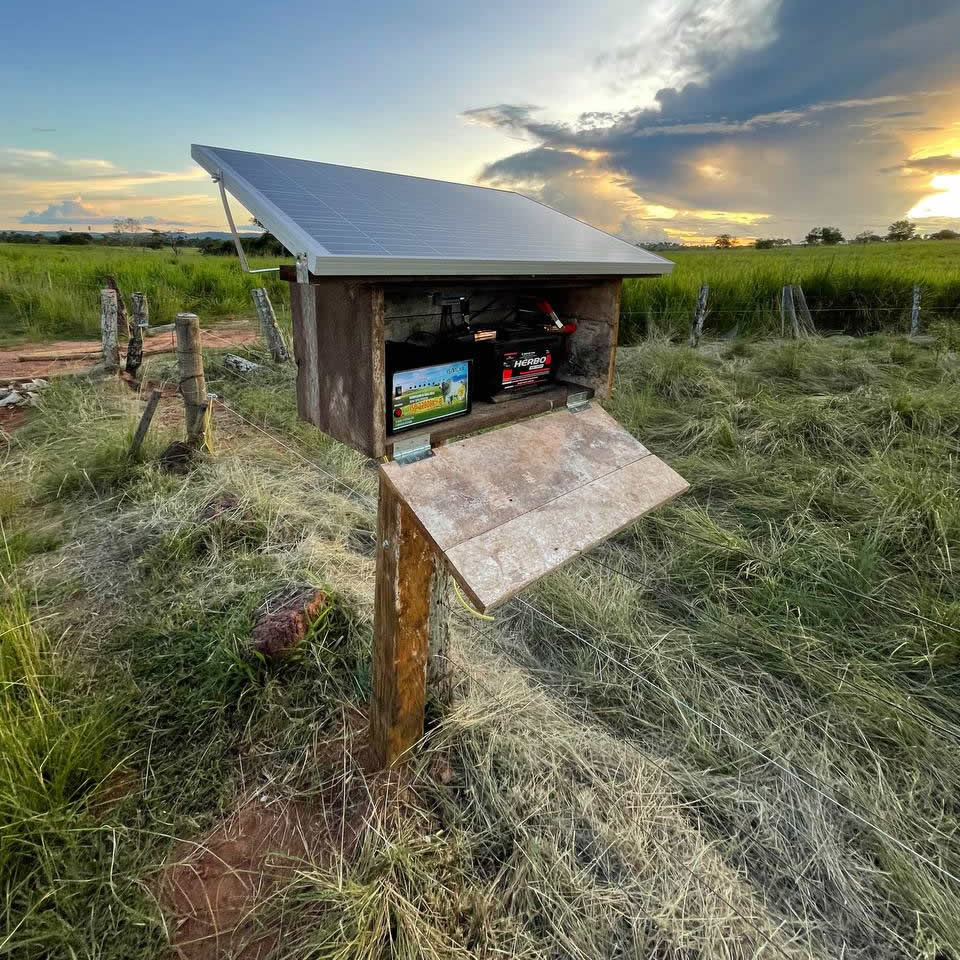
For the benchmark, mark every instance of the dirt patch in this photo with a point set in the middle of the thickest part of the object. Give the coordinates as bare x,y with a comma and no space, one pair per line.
15,362
211,890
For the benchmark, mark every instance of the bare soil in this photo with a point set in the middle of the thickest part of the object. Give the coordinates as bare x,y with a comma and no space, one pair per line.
213,890
11,367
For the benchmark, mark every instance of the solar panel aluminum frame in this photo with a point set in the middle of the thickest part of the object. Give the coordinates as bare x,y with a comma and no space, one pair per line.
322,262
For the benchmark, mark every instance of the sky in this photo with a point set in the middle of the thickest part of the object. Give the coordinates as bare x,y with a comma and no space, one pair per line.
653,119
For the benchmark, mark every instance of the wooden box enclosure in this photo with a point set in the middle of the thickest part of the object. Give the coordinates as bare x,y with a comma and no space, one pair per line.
340,326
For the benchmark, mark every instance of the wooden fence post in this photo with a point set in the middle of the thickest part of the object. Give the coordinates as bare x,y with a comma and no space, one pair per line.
700,314
409,630
141,320
268,325
193,386
108,330
809,328
144,425
915,312
123,322
787,312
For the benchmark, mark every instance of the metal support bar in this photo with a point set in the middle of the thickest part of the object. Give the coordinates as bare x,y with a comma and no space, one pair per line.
218,179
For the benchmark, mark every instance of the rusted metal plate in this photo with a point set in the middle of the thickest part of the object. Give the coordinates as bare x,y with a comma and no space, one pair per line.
509,506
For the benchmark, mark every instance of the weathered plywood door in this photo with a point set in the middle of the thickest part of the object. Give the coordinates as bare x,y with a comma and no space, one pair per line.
498,511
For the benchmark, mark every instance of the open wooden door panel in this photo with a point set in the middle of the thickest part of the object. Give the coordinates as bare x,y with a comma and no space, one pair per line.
507,507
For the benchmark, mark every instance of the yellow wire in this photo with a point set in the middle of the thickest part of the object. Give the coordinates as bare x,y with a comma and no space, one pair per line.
466,606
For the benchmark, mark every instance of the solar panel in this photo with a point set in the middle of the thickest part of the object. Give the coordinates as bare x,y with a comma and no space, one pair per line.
354,222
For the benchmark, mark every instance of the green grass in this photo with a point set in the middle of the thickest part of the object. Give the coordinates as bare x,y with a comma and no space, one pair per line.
586,795
857,287
51,292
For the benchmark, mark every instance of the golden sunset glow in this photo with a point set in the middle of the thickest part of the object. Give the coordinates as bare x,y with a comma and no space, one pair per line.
945,202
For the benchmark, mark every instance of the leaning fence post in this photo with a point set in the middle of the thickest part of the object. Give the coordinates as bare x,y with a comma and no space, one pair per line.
193,386
144,425
806,320
700,314
787,312
915,312
268,325
108,330
141,320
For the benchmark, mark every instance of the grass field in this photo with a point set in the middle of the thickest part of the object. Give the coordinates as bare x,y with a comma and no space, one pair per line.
679,746
857,288
50,291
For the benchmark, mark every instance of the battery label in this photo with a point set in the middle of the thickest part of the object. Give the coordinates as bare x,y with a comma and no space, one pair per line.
429,393
521,368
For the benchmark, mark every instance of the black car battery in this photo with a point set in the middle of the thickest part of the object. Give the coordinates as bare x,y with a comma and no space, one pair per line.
426,382
516,363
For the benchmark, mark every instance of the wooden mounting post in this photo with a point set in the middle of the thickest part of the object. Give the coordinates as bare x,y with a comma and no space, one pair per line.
108,330
915,312
700,314
806,320
141,320
193,386
787,312
144,425
268,325
410,629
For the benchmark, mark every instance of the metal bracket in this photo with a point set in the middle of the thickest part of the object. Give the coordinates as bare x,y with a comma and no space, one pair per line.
218,179
411,449
303,271
576,402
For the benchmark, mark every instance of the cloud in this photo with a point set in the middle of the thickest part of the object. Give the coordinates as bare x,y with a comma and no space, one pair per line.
944,163
598,127
66,212
20,166
751,129
18,158
72,212
682,43
531,166
29,178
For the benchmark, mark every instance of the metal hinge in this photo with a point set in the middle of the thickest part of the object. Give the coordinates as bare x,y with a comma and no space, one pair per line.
578,401
411,449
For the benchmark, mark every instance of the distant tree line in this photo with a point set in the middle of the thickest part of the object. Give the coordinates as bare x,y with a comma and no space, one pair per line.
129,232
897,232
